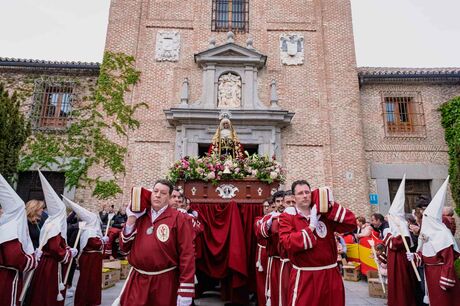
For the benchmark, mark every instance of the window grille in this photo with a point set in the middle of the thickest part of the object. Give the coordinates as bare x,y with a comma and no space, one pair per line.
403,114
52,104
230,15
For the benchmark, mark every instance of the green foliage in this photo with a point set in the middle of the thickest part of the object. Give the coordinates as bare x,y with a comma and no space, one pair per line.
85,143
450,120
14,130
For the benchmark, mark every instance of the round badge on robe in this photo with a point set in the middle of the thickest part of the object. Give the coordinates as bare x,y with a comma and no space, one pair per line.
321,229
163,233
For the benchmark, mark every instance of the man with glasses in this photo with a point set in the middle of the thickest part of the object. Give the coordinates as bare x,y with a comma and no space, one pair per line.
309,240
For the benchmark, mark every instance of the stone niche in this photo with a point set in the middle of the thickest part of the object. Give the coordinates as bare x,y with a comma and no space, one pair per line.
230,77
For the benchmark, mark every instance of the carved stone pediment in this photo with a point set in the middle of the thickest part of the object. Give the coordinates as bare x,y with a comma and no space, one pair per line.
231,53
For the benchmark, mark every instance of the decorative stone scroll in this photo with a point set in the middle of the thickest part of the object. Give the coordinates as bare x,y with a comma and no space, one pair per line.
167,46
292,49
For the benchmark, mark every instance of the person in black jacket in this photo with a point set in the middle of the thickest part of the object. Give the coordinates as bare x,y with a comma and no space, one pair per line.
72,232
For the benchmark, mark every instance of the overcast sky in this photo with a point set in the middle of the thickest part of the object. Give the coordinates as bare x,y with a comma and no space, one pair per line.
398,33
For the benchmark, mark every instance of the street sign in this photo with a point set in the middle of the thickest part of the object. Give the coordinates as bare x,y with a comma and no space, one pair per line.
374,199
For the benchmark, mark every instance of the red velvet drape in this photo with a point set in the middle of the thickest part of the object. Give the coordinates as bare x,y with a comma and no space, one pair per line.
229,245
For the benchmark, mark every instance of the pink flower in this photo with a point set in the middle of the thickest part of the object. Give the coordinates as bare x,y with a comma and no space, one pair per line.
211,176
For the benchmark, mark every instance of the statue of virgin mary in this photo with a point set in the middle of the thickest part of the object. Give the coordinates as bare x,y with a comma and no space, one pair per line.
225,141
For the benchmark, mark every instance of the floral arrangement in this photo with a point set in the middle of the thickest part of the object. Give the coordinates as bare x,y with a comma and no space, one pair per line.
215,168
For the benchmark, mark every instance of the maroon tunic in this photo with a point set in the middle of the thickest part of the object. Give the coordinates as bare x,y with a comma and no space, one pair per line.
402,281
13,262
315,278
44,284
262,259
166,250
88,291
442,282
274,260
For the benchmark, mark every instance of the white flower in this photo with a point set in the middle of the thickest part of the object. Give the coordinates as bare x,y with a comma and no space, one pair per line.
211,176
273,175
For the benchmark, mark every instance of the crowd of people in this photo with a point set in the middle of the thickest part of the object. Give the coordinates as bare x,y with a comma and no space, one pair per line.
300,248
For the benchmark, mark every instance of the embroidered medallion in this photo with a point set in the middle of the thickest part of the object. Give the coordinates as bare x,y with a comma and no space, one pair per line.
163,233
321,229
149,231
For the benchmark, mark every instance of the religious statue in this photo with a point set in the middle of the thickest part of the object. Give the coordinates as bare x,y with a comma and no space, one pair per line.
229,91
225,141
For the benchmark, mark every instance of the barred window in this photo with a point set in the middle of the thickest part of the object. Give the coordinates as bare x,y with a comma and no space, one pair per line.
230,15
403,114
52,104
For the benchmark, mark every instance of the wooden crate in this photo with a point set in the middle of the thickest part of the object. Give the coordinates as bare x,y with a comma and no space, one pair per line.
111,264
351,271
375,286
109,277
125,267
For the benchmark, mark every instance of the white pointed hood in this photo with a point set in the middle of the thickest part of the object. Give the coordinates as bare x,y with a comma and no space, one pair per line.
434,235
397,216
13,222
93,223
56,224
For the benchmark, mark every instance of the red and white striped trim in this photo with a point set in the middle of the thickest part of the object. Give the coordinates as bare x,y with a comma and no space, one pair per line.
129,238
264,229
308,244
68,254
186,288
340,214
447,282
30,265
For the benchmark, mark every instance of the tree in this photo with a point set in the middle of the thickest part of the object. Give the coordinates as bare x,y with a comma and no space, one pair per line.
14,131
450,120
85,143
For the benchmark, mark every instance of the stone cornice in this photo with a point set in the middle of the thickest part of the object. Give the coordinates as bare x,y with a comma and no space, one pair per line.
181,116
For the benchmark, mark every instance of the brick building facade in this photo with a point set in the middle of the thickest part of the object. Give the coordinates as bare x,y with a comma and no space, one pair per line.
302,96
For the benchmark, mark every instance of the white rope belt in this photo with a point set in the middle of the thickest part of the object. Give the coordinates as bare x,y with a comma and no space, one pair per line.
9,268
155,272
261,246
297,277
315,268
284,259
93,251
436,264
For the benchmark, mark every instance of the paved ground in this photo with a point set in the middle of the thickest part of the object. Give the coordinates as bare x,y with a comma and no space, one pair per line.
356,295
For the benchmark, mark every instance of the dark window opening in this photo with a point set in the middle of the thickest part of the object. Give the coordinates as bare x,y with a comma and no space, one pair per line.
30,187
413,189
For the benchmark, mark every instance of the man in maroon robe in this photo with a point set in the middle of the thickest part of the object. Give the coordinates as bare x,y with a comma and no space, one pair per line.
46,287
88,292
268,229
159,241
437,250
16,248
402,282
261,257
311,247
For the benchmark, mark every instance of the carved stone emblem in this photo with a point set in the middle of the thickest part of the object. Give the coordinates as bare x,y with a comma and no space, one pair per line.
193,190
227,191
259,191
167,46
291,49
229,91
